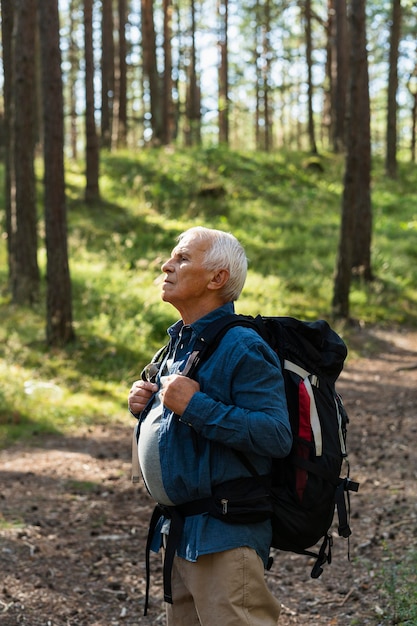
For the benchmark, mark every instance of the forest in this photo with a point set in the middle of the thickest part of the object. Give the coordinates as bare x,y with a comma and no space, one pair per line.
291,124
81,78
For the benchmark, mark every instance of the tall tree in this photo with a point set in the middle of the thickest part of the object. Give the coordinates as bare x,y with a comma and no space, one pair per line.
92,149
330,68
262,60
167,100
21,107
59,326
361,261
74,66
223,18
340,75
107,72
7,27
356,211
150,68
121,136
257,57
192,129
391,150
412,88
267,76
309,59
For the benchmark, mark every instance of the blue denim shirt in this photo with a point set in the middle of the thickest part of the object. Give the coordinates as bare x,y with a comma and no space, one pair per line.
241,404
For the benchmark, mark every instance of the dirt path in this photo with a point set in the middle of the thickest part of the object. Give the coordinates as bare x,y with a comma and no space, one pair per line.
72,527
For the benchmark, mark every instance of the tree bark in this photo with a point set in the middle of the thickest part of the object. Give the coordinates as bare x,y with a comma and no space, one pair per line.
151,69
339,103
412,88
356,194
122,126
193,102
391,153
262,61
167,101
361,261
74,65
223,17
23,263
309,58
92,149
59,329
107,73
7,25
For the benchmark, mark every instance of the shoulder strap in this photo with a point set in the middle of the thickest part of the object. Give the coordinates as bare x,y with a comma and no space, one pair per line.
207,342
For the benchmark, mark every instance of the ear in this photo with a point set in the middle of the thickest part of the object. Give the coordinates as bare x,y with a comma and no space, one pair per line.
219,279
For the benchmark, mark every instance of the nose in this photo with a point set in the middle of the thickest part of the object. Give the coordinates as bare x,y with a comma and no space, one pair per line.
167,266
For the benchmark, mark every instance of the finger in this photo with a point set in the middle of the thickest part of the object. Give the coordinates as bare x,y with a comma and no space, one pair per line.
140,386
139,395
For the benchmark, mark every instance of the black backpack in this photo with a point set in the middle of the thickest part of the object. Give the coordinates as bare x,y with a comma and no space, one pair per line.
306,486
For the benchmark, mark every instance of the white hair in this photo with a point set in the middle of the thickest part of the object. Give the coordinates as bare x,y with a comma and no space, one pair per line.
225,252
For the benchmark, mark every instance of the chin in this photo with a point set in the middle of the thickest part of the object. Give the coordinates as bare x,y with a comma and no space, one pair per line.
165,297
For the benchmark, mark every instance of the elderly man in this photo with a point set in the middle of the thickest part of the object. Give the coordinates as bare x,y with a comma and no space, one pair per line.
189,430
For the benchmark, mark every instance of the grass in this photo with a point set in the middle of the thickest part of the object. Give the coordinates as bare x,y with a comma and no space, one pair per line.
400,590
287,216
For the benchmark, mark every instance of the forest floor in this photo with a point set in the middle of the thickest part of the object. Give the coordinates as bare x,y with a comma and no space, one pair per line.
73,527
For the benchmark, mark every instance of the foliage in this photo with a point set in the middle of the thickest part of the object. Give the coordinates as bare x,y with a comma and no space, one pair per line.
285,208
400,588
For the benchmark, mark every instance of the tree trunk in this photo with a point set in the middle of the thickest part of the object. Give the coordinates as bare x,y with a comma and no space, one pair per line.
309,58
7,26
262,60
330,69
412,88
391,155
266,81
59,329
223,17
92,150
178,71
257,65
151,69
24,272
339,103
193,101
73,58
122,82
107,73
356,196
167,102
361,261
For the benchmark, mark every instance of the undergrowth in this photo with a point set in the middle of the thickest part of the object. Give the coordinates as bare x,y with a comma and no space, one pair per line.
286,214
400,590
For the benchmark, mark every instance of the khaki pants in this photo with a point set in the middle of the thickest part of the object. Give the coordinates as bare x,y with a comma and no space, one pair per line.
222,589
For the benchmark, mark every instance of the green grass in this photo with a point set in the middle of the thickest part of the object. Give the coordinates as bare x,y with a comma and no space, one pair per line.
400,590
286,215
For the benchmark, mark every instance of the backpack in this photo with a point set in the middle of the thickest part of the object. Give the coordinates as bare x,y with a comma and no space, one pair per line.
306,486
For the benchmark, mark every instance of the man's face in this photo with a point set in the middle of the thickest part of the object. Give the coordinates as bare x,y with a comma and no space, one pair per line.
186,279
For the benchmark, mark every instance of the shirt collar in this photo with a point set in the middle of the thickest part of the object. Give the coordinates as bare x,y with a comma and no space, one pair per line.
197,326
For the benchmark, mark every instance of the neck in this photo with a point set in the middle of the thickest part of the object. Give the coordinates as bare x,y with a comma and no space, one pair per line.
192,314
